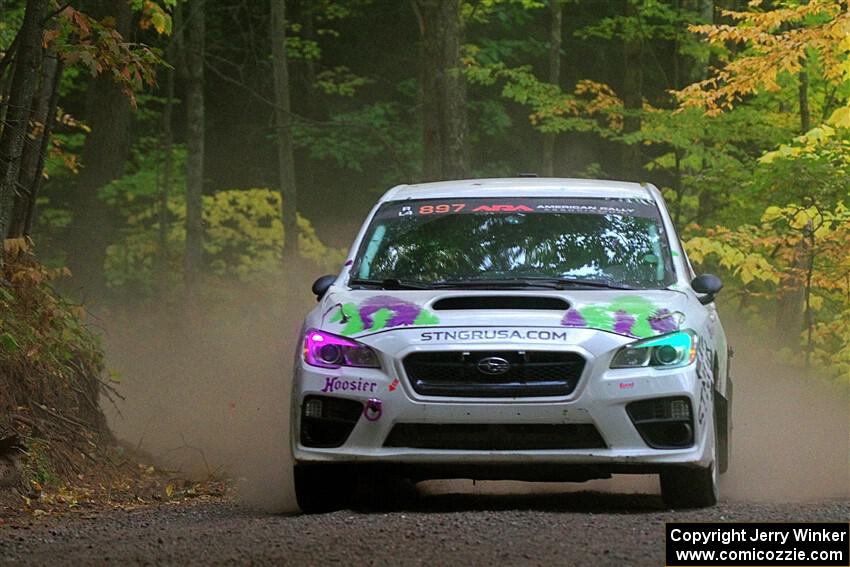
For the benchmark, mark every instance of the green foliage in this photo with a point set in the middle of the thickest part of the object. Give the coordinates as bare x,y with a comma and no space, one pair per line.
356,138
653,19
340,81
505,11
298,47
11,21
243,239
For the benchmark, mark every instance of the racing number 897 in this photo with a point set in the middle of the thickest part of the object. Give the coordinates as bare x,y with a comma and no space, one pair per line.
441,209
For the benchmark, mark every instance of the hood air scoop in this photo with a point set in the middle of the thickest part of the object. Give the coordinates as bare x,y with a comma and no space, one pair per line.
500,302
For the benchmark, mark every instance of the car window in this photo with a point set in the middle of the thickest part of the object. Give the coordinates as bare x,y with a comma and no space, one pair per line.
433,240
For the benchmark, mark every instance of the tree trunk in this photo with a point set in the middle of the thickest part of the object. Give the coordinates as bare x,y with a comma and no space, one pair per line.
805,115
443,90
308,96
792,306
285,159
555,30
167,176
6,81
194,59
14,134
632,95
32,162
103,157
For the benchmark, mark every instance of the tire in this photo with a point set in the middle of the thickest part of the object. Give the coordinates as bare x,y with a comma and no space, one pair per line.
689,488
692,487
322,488
383,491
723,411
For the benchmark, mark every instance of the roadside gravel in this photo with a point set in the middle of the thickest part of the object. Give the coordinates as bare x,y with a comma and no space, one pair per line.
583,528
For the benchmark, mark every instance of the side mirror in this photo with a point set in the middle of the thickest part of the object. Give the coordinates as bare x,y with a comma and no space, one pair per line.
708,285
321,285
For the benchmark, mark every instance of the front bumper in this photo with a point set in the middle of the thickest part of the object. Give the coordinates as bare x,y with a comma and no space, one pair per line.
600,399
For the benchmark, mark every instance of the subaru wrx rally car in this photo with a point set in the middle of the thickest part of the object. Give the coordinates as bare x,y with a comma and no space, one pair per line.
530,329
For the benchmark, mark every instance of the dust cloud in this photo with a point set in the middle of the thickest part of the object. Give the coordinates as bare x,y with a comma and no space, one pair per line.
211,397
791,437
208,395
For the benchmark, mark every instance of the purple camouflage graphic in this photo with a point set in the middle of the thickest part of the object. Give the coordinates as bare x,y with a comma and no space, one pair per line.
631,316
623,323
573,318
404,312
664,321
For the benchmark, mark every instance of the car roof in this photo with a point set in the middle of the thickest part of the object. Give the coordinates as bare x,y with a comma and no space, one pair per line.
519,186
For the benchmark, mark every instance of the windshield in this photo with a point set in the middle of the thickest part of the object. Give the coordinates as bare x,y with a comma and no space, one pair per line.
473,240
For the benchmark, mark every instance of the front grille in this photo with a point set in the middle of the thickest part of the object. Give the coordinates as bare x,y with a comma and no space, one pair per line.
527,373
495,437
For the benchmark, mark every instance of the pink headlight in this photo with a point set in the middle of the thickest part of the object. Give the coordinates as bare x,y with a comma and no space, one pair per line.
332,351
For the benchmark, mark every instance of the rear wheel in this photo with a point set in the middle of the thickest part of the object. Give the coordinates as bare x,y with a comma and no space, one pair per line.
322,488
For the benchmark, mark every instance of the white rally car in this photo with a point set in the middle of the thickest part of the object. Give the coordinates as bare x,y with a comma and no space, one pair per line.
530,329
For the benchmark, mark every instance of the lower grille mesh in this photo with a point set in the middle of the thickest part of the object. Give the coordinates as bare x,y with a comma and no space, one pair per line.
495,437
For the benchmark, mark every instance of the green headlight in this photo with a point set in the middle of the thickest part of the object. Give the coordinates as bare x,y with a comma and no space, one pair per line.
667,351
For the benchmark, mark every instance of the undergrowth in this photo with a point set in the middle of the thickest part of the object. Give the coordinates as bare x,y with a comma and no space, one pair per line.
50,369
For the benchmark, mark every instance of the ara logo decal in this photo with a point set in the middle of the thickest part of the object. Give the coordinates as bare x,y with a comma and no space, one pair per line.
502,209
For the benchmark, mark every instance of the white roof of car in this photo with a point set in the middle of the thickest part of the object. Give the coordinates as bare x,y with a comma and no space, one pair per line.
519,186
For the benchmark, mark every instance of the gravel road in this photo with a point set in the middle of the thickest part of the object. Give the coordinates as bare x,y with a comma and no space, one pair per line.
583,528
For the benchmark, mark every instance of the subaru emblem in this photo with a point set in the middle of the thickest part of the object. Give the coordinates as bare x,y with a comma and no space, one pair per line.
493,365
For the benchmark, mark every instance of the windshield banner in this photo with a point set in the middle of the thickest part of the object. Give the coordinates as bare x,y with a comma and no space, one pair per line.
503,205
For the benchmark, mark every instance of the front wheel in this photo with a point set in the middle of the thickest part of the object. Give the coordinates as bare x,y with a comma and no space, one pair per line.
322,488
697,487
689,488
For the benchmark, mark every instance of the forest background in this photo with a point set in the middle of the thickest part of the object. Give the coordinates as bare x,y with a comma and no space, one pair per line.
154,152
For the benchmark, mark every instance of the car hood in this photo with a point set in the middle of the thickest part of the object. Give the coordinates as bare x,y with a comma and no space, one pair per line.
630,313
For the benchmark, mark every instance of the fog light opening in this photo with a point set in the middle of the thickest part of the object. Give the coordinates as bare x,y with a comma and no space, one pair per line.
680,409
327,421
313,408
663,423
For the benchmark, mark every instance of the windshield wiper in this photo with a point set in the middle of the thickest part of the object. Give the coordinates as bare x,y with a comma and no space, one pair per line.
552,283
391,283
